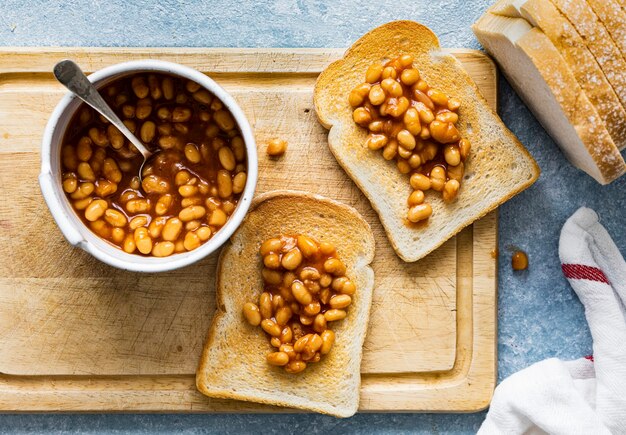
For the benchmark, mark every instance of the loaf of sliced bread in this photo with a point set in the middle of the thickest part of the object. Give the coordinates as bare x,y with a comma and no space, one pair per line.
498,167
544,15
233,364
540,75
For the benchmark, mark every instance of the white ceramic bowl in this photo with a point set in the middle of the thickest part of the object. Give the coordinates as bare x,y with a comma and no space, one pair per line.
70,224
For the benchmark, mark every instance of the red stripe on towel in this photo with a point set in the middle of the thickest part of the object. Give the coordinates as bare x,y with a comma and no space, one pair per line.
580,271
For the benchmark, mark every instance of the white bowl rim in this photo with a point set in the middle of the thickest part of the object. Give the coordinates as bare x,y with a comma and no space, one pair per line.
80,235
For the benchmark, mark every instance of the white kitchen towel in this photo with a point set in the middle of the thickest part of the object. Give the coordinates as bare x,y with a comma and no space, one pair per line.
586,396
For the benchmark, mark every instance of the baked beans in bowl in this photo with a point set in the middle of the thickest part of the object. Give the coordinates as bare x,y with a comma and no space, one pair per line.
194,192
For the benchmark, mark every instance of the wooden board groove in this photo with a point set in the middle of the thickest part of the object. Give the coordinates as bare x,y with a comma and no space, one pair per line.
80,336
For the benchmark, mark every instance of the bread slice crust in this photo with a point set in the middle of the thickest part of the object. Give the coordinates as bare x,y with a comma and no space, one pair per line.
495,150
233,365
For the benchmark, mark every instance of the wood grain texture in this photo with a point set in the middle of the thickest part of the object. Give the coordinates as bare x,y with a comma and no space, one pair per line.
77,335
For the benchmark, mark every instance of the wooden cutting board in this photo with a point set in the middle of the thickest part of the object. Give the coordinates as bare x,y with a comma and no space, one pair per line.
77,335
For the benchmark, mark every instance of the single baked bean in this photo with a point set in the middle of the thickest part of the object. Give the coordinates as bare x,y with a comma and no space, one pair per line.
283,315
327,248
409,76
319,323
464,148
389,72
326,280
276,147
218,218
98,137
83,149
420,182
444,132
224,183
447,117
101,228
334,315
376,141
70,182
301,294
191,213
115,218
391,87
456,172
139,86
437,97
361,116
358,94
278,358
265,305
227,158
309,273
129,245
188,190
117,235
335,267
137,221
156,227
295,367
270,245
312,309
85,172
271,327
143,240
239,182
135,206
144,108
292,259
419,212
406,139
328,338
163,249
252,314
450,190
111,170
377,95
437,178
452,155
224,120
373,73
163,204
192,241
416,197
271,261
340,301
155,88
95,210
83,191
286,335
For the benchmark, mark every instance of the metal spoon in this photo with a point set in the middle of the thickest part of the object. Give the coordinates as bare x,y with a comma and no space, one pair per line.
72,77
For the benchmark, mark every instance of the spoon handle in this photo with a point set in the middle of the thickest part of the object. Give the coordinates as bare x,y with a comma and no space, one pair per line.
72,77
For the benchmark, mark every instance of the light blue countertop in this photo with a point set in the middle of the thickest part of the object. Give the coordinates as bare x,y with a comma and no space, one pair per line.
539,315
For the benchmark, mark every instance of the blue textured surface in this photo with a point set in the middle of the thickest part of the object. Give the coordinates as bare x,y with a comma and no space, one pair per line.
539,315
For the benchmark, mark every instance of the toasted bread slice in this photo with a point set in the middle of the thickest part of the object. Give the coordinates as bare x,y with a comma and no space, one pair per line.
498,167
544,15
233,364
541,76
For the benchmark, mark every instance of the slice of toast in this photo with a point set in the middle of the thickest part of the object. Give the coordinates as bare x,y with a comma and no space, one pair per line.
544,15
498,167
233,364
538,72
